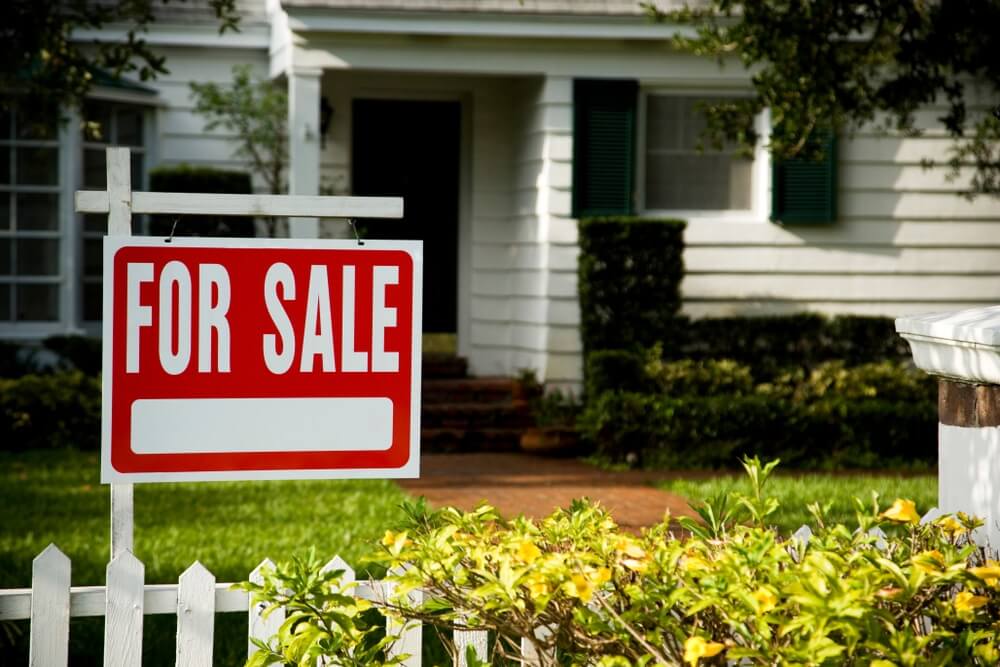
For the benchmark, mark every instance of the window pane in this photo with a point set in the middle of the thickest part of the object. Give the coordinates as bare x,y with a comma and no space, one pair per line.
37,166
37,257
5,314
94,171
4,210
97,122
93,257
5,253
708,182
129,127
136,170
5,164
95,222
93,298
6,119
678,175
37,124
37,303
38,211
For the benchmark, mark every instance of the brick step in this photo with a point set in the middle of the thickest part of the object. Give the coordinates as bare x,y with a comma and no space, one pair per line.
463,440
442,366
467,390
476,415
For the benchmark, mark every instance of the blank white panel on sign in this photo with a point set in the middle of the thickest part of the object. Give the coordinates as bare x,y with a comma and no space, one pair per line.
192,426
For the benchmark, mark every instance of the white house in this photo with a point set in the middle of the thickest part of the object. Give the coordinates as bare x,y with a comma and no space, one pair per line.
501,122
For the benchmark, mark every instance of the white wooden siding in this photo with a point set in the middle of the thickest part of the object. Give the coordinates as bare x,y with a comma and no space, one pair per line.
182,137
904,243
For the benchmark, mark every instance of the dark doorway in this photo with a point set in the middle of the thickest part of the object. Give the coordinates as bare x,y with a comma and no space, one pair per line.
410,149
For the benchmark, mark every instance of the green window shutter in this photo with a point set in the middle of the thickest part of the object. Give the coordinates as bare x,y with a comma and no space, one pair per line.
803,190
604,121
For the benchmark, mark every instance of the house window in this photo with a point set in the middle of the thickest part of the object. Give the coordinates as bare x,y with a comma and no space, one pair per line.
677,176
119,125
30,275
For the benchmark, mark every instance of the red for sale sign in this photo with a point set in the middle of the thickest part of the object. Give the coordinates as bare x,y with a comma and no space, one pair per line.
229,359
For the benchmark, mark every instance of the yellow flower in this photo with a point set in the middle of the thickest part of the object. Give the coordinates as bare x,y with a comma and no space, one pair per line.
929,561
389,538
629,548
580,587
902,511
537,587
603,576
696,648
966,603
694,564
527,552
990,573
766,600
949,525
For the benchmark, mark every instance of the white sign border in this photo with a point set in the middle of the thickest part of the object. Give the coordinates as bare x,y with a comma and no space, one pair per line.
410,470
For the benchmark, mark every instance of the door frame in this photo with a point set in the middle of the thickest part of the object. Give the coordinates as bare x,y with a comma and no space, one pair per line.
463,298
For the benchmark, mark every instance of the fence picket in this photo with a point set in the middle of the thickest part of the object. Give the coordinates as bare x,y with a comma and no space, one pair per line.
195,616
933,514
259,627
531,656
50,581
123,611
477,639
411,640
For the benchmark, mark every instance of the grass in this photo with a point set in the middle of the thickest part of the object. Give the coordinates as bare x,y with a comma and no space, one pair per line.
55,496
795,492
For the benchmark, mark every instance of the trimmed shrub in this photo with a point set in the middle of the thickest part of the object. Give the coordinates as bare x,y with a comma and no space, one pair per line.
186,178
80,352
630,271
771,344
707,377
709,431
50,411
610,370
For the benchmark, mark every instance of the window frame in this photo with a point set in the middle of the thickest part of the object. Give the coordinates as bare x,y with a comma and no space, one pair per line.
20,329
760,175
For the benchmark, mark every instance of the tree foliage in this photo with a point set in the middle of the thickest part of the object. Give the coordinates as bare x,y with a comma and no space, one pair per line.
47,67
257,113
818,64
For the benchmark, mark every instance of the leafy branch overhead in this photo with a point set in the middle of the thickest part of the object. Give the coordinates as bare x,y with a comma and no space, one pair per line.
49,66
818,64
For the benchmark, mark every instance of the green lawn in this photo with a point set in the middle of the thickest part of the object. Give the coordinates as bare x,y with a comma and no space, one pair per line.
56,496
795,492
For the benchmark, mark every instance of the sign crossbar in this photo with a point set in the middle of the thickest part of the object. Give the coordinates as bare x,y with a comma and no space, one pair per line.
179,203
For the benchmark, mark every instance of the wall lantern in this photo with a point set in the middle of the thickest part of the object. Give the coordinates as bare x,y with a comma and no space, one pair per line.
325,116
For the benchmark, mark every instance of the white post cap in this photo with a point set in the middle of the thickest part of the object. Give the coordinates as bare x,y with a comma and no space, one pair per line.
962,345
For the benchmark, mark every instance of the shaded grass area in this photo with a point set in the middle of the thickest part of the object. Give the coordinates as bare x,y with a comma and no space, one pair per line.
835,491
55,496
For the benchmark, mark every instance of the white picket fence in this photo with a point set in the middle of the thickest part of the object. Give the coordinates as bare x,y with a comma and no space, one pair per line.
195,599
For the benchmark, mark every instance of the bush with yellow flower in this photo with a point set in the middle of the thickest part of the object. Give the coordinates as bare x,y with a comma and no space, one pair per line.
724,589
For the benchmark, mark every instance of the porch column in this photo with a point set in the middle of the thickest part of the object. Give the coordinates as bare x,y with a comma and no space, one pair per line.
963,349
303,143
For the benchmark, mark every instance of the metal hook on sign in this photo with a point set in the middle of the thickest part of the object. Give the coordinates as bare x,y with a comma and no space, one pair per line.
172,230
354,226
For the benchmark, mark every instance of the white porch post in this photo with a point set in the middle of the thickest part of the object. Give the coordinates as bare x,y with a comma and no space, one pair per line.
303,143
963,349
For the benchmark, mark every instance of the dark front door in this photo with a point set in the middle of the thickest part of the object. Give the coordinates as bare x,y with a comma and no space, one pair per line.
410,149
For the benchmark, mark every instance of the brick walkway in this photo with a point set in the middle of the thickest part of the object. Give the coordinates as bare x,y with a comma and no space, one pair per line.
534,486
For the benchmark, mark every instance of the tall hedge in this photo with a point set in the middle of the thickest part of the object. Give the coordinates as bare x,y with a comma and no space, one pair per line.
630,272
187,178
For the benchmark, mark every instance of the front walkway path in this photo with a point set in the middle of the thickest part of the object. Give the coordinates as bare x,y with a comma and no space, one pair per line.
534,486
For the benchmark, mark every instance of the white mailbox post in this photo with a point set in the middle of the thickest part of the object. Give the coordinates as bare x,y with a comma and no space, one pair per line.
963,350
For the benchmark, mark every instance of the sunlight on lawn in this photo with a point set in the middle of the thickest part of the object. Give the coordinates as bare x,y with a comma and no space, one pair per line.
795,492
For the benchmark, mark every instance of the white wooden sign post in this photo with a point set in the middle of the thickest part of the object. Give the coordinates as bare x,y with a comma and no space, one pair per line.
377,352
